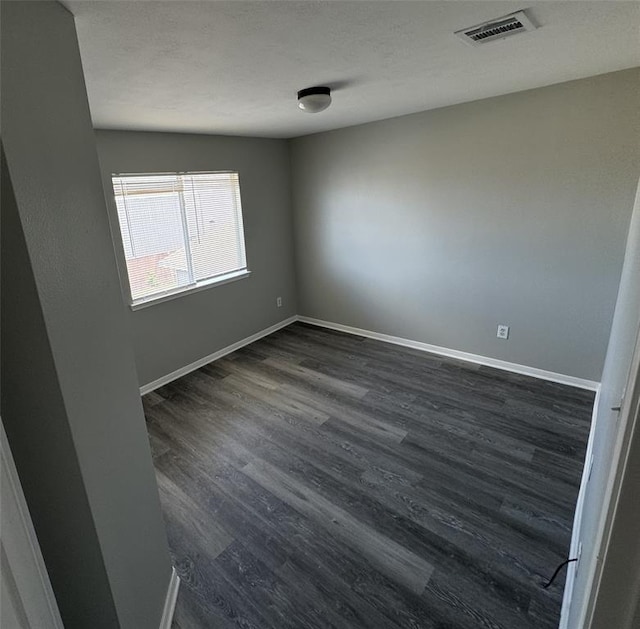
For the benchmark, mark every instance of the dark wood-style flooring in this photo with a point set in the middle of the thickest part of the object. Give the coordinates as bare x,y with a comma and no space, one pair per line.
315,479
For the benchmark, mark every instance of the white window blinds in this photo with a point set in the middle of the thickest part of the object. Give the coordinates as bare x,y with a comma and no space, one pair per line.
179,230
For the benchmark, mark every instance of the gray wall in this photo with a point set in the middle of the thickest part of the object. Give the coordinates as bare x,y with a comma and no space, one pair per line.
618,581
169,335
48,463
440,225
70,400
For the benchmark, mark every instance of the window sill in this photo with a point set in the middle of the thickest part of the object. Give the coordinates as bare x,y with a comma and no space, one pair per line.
216,281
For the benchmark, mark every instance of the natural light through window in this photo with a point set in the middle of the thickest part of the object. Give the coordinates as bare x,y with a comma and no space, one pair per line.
180,231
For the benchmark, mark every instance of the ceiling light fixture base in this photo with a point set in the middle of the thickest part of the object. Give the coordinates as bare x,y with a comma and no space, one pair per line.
314,99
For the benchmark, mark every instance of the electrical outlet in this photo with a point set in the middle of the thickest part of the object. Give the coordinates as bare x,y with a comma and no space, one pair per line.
279,302
503,332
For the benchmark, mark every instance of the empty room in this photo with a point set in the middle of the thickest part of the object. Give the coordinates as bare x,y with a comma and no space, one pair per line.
320,314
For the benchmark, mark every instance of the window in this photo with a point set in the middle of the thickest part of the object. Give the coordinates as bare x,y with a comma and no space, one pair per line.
180,231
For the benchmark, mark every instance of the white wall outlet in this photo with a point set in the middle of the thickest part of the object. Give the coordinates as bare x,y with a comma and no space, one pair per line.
503,332
279,302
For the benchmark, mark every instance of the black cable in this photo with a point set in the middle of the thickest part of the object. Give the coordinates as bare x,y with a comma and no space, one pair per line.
555,574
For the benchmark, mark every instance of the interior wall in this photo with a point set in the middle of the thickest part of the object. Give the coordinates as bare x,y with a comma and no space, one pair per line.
438,226
51,471
167,336
70,400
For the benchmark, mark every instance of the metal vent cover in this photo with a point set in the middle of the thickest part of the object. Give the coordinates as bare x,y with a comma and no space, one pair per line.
499,28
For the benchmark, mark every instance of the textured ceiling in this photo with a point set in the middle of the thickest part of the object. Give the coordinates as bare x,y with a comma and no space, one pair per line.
235,67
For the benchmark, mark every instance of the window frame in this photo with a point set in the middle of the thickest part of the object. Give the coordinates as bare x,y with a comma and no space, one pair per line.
167,295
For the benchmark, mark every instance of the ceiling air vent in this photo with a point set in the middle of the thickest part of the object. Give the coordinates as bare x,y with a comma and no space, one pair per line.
496,29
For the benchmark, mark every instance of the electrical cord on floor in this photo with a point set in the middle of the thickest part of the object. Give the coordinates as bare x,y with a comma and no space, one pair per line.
555,574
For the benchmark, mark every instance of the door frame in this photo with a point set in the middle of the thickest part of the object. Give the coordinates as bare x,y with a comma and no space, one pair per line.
26,586
628,422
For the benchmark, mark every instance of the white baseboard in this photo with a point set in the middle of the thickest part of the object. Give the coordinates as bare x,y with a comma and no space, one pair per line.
183,371
170,600
534,372
574,547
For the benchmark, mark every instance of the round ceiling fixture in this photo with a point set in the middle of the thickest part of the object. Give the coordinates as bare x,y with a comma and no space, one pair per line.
314,99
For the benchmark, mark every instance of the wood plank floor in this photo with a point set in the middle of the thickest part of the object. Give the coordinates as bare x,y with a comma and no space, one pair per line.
316,479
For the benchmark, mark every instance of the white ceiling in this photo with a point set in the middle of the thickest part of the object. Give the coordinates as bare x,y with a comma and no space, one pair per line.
234,67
